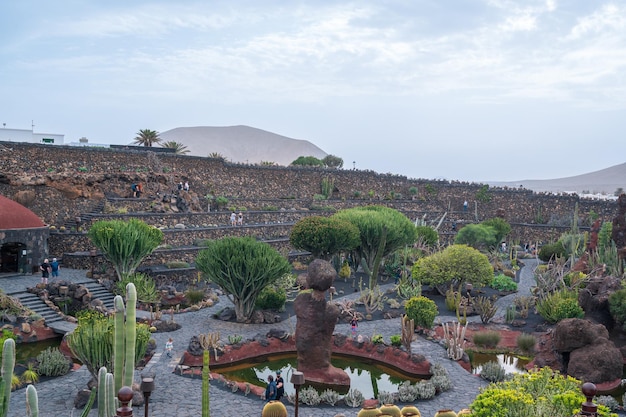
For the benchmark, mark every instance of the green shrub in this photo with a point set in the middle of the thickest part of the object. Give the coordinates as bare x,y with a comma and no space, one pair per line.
194,296
536,393
177,264
145,286
423,310
503,283
52,362
526,343
487,339
377,339
617,306
271,298
559,305
396,340
550,251
493,372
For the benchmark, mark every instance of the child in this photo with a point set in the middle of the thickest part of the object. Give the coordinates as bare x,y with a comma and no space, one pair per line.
354,323
169,345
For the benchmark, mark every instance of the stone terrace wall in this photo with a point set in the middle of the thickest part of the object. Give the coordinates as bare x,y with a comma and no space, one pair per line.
60,183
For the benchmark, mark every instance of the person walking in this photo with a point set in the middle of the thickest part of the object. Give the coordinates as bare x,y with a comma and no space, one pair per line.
233,219
45,269
240,219
354,323
169,346
270,390
54,268
280,386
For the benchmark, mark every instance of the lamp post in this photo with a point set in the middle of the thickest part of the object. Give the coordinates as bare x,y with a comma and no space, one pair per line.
297,379
354,165
125,395
147,386
469,287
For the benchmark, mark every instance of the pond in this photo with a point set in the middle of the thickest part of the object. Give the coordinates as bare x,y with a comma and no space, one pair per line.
369,379
511,363
25,351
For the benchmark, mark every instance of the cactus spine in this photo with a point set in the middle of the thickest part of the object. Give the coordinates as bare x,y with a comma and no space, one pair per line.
131,333
206,374
8,364
32,401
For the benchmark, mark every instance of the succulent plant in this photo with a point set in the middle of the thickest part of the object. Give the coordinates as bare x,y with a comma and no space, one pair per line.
309,396
425,390
354,398
274,409
329,397
391,410
410,410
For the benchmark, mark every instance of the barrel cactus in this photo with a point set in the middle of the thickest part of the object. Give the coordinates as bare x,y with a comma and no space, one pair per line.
464,412
410,410
391,410
445,413
369,411
274,409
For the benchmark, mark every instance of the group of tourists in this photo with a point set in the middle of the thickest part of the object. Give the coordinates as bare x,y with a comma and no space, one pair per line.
236,219
48,268
275,387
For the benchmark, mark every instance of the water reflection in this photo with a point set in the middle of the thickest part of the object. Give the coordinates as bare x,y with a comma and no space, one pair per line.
369,379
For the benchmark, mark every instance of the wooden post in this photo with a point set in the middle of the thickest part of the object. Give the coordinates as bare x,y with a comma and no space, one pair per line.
125,395
589,408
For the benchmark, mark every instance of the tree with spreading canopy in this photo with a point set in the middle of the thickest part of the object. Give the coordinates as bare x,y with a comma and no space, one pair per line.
125,243
382,231
324,236
454,266
242,267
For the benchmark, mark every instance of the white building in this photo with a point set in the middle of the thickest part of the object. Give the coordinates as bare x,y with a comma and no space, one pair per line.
27,135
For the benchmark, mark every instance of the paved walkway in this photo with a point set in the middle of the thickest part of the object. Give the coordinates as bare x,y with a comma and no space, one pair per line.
175,396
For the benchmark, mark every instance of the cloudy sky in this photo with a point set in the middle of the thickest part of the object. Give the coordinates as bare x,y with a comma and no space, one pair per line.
465,89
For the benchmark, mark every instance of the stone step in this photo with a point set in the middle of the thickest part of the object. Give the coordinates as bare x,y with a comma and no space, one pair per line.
32,302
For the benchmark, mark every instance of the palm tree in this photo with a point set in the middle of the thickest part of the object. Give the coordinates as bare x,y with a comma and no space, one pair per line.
216,155
179,147
147,137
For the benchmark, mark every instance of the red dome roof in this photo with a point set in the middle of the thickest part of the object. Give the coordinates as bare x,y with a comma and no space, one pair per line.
15,216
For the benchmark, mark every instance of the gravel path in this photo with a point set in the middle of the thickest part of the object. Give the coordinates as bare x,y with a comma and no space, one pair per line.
178,396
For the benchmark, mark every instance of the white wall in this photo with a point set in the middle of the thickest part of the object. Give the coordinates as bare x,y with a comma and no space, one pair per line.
24,135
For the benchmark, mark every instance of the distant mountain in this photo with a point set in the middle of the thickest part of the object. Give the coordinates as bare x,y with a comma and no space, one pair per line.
242,144
605,181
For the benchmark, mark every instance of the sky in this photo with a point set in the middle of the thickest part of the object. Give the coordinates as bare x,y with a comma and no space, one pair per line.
470,90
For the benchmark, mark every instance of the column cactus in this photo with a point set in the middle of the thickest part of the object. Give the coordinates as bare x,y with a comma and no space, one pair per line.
125,334
102,372
131,333
8,364
206,375
32,401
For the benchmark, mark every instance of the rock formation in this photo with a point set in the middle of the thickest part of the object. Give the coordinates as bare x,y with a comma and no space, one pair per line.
315,327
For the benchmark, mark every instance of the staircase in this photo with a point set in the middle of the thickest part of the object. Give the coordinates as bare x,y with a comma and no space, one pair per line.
99,292
85,218
53,319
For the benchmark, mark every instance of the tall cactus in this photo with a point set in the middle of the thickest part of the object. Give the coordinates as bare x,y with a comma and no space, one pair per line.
119,346
102,373
206,375
125,335
32,401
408,332
131,333
8,364
111,395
